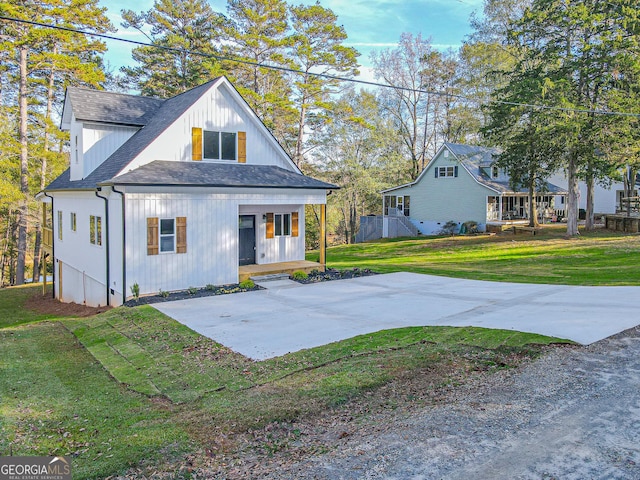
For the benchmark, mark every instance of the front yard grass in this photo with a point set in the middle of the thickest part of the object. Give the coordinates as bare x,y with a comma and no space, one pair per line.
132,388
594,258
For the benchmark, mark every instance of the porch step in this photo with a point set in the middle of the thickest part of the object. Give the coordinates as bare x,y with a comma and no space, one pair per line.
270,277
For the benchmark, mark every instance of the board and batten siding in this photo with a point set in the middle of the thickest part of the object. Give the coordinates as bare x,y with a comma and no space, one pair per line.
99,142
212,234
435,201
216,110
83,263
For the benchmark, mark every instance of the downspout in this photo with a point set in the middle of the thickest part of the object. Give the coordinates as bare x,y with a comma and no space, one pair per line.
53,248
124,248
106,222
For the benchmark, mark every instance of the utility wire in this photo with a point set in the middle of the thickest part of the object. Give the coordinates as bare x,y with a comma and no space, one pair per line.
314,74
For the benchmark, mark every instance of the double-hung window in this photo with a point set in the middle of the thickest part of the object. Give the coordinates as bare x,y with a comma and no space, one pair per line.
447,171
282,224
95,230
167,235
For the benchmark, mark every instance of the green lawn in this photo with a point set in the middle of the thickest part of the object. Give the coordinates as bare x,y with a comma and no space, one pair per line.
12,306
595,258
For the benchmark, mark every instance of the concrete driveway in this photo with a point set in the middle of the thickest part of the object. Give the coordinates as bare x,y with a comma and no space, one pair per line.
288,317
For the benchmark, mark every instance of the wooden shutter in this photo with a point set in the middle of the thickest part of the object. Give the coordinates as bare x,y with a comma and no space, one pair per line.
294,224
242,147
196,144
152,236
181,234
270,226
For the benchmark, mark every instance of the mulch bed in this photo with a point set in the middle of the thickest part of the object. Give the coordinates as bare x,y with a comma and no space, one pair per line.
190,293
48,305
334,274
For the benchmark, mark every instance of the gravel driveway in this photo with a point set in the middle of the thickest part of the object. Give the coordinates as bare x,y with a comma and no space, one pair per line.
573,414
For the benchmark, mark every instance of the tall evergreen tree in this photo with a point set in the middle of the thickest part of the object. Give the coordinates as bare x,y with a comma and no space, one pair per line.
317,48
182,25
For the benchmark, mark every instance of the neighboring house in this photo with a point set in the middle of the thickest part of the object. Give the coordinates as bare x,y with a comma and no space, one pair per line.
462,183
605,199
171,194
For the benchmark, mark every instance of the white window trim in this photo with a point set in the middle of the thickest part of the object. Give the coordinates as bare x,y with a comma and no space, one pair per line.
445,170
220,132
165,235
275,223
94,220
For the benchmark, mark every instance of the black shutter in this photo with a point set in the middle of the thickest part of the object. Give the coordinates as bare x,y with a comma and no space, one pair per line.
436,170
455,171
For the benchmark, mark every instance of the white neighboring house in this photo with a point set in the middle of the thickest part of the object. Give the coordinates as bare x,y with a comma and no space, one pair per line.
461,183
171,194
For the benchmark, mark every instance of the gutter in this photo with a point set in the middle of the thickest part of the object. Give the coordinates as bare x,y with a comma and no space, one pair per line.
53,248
106,222
124,249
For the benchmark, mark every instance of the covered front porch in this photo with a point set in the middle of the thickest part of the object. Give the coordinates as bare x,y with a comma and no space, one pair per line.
245,272
511,209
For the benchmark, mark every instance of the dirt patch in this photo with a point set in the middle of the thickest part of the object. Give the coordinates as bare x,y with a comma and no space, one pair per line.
48,305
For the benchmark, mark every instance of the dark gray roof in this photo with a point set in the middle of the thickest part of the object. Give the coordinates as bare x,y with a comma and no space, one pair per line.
204,174
108,107
162,118
475,158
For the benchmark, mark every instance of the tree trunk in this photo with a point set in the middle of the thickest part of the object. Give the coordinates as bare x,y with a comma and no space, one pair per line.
589,223
572,197
24,169
533,211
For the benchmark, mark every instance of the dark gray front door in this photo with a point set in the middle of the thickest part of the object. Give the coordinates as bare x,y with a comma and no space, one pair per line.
247,239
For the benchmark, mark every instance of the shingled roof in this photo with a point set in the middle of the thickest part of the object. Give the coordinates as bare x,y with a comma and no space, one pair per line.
204,174
157,122
108,107
475,159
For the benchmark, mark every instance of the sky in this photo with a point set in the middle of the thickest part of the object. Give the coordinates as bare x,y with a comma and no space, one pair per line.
370,24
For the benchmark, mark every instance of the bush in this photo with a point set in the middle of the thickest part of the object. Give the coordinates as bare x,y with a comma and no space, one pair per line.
163,293
247,284
210,287
135,291
299,275
449,228
470,226
192,290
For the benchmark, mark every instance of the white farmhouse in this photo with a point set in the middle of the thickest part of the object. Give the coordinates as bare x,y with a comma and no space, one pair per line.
172,194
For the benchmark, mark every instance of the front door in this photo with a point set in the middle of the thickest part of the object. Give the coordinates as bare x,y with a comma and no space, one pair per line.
247,239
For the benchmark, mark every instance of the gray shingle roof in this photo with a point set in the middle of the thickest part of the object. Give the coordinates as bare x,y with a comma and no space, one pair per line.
108,107
204,174
161,119
475,158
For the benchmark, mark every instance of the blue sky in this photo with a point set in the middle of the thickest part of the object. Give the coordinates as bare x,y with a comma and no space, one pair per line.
370,24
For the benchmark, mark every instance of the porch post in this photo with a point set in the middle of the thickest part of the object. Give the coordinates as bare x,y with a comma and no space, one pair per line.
323,233
500,208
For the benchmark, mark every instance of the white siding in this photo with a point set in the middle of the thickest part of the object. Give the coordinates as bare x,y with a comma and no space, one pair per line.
75,155
83,264
604,200
99,142
215,110
212,235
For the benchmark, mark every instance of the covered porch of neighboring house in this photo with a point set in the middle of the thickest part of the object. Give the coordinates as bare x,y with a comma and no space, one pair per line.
513,209
46,256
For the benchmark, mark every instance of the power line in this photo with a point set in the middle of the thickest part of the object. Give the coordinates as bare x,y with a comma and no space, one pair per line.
314,74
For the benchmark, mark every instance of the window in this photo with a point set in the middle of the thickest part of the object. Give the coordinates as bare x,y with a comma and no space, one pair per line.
407,202
59,224
218,145
449,171
95,230
282,224
166,235
72,220
495,173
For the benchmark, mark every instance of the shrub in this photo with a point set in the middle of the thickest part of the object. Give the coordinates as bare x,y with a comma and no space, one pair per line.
135,291
247,284
470,226
163,293
210,287
299,275
192,290
449,228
